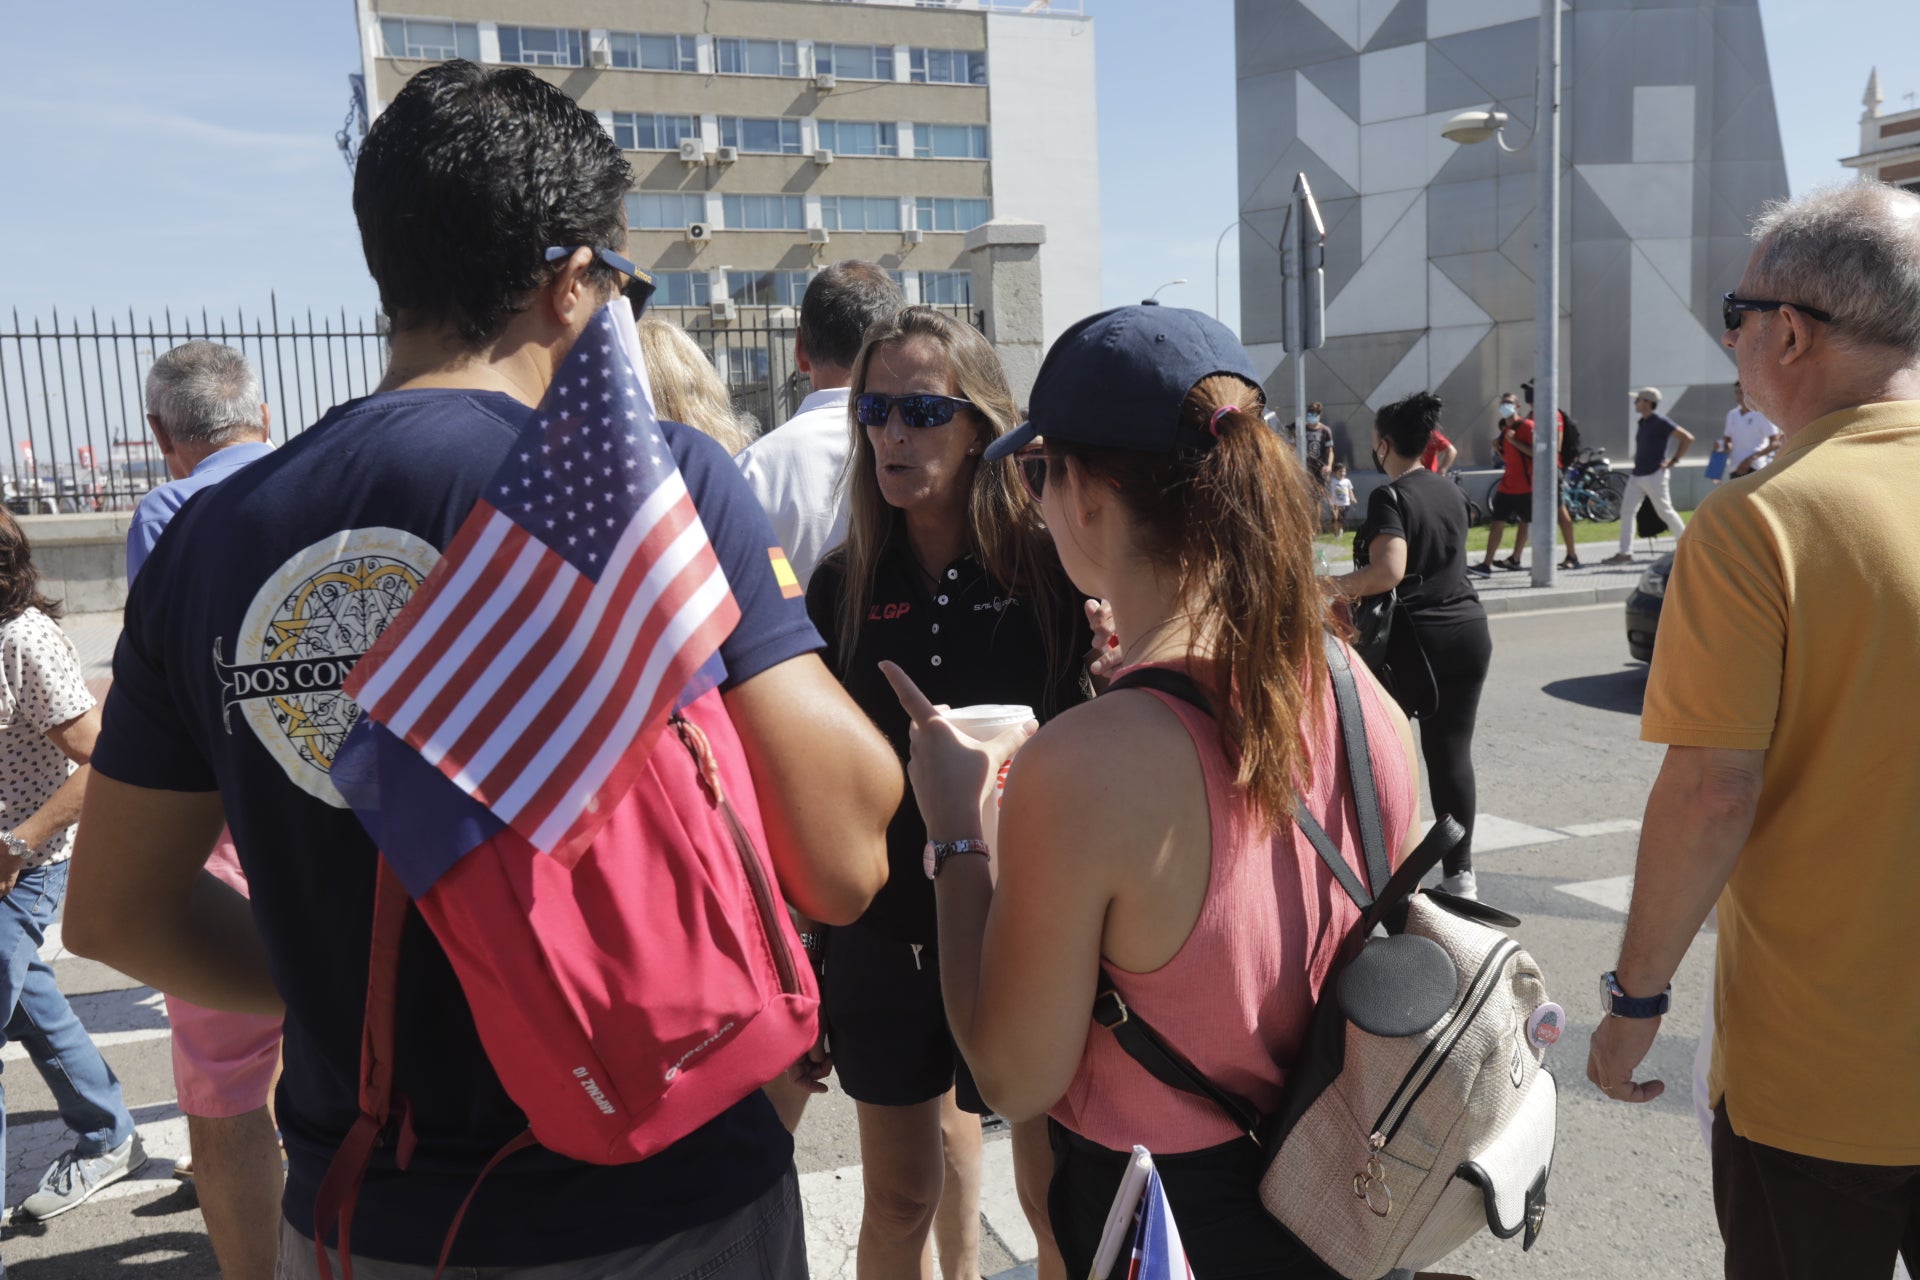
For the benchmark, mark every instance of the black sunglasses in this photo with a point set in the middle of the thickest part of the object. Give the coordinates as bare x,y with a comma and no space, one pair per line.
919,411
1033,470
1731,307
638,289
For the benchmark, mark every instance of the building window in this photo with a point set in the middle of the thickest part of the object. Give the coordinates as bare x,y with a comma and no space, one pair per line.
665,210
854,61
432,41
950,141
737,57
948,66
946,288
541,46
860,137
938,213
770,136
681,288
763,213
653,133
741,365
767,288
652,53
859,213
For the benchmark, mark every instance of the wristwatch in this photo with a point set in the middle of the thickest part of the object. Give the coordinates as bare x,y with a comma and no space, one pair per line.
15,845
1618,1004
938,851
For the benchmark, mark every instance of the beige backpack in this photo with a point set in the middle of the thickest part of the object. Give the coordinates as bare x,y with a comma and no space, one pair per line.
1418,1111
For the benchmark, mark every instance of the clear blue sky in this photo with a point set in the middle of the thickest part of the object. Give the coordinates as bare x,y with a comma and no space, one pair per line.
168,156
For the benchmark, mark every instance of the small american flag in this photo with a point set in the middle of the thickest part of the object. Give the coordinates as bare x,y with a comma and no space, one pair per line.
537,662
1157,1251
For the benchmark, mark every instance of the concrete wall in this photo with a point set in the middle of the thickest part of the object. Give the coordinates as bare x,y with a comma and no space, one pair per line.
1670,145
82,559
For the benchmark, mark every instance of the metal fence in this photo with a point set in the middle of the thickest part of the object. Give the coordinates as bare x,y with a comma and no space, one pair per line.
73,392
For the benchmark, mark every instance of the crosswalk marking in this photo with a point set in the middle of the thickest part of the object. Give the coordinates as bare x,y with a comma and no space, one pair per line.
1613,826
1613,893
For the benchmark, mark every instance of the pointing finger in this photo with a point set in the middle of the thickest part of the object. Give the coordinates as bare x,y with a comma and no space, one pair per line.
918,709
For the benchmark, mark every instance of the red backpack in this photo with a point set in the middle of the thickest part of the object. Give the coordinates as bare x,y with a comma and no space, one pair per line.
625,998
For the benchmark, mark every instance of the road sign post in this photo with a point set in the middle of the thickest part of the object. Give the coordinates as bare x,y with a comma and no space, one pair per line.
1303,253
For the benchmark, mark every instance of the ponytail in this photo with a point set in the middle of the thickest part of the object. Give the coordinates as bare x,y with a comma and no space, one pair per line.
1235,518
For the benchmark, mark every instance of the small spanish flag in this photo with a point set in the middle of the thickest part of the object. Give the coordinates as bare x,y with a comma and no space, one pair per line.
784,575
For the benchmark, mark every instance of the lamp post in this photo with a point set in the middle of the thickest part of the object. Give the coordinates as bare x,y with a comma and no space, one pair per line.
1216,264
1155,295
1477,126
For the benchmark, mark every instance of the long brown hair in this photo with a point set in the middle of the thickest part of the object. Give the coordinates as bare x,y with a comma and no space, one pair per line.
1235,523
1004,530
19,580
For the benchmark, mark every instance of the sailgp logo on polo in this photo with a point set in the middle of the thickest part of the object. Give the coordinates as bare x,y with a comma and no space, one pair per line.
592,1087
673,1071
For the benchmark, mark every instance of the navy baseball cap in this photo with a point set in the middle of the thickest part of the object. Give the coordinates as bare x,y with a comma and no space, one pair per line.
1117,380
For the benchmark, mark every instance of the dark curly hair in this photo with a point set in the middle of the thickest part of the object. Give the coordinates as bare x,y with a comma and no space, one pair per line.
19,580
1408,425
465,180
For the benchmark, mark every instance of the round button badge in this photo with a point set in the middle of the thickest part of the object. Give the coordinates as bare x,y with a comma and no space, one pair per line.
1546,1025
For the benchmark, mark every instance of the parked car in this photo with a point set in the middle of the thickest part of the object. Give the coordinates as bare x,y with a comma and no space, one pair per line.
1643,607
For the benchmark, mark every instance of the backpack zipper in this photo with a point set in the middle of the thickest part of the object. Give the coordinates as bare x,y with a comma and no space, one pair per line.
709,771
1479,991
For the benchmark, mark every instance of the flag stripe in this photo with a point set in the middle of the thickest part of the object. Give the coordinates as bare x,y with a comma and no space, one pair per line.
605,675
448,590
402,628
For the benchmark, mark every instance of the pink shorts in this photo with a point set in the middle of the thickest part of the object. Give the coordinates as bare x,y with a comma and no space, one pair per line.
223,1063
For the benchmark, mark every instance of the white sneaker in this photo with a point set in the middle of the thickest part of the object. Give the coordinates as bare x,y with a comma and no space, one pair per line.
74,1178
1460,886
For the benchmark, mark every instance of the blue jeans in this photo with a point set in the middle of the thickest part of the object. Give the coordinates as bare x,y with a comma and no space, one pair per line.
40,1019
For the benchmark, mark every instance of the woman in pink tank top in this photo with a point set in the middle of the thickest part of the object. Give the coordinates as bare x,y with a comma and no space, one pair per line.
1140,835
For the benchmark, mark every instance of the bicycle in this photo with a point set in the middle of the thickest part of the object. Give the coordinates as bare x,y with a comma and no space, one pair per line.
1590,488
1476,514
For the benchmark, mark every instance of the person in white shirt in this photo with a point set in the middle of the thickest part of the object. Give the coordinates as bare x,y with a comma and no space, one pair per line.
1751,439
795,469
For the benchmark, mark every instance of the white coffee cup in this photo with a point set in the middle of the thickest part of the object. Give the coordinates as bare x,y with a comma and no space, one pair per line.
983,722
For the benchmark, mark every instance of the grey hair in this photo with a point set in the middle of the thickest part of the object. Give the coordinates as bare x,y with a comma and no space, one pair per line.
1852,250
204,393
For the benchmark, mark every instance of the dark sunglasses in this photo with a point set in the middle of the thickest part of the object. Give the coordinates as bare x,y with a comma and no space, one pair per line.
919,411
638,289
1033,470
1731,308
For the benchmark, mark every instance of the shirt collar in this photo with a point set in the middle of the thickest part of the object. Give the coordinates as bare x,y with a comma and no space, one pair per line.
832,397
236,455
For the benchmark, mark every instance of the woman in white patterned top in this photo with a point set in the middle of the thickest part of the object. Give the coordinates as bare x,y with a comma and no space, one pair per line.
48,721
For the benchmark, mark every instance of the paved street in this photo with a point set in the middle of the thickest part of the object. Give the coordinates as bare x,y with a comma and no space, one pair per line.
1562,782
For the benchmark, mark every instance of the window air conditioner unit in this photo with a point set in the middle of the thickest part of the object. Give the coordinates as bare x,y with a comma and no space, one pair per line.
914,235
602,58
727,155
692,150
824,82
784,316
699,232
823,156
818,235
723,309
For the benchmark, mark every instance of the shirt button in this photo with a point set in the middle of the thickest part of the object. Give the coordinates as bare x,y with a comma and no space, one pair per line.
953,573
936,628
941,600
935,659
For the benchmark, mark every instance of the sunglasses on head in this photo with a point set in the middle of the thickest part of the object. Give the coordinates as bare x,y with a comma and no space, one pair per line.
637,289
920,411
1732,307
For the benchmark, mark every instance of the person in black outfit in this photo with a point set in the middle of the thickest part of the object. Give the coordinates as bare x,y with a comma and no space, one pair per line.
947,571
1415,539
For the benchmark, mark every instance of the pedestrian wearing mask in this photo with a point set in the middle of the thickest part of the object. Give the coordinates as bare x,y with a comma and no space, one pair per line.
948,572
1414,540
1513,497
1139,832
1319,444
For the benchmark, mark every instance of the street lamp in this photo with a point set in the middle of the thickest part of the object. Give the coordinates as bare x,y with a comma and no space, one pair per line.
1467,128
1216,264
1154,296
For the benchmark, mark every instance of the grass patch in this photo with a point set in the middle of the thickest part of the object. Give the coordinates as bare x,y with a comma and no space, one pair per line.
1583,531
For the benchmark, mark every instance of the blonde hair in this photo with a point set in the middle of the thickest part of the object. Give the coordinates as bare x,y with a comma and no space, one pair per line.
686,386
1004,530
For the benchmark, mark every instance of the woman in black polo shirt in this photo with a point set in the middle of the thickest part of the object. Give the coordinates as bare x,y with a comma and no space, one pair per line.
948,571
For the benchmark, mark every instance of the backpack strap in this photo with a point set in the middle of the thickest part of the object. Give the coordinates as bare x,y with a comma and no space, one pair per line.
1366,795
340,1187
1164,1062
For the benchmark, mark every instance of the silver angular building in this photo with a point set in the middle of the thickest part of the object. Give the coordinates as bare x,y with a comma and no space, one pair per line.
1669,146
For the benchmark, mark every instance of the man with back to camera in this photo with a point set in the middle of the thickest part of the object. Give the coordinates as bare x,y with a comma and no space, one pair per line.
1784,661
467,183
206,413
795,469
1652,467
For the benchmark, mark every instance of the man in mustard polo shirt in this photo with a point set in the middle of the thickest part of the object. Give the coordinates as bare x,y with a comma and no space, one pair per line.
1785,684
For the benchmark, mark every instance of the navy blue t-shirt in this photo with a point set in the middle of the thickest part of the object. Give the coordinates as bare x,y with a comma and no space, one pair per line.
293,567
1650,443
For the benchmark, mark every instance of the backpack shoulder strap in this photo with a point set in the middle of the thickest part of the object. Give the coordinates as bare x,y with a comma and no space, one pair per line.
1164,1062
1366,795
1175,684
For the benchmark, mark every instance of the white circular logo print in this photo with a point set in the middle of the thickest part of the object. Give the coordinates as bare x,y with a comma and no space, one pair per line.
308,624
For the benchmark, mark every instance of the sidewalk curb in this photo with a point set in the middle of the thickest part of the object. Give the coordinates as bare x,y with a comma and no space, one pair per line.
1530,601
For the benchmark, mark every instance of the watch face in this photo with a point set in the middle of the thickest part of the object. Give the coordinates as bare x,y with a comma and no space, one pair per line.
927,861
1606,995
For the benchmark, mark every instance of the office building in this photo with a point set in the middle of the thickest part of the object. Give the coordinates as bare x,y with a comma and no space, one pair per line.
1889,144
1669,146
771,137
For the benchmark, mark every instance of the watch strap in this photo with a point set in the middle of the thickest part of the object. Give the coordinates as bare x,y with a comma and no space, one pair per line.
1622,1005
944,849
